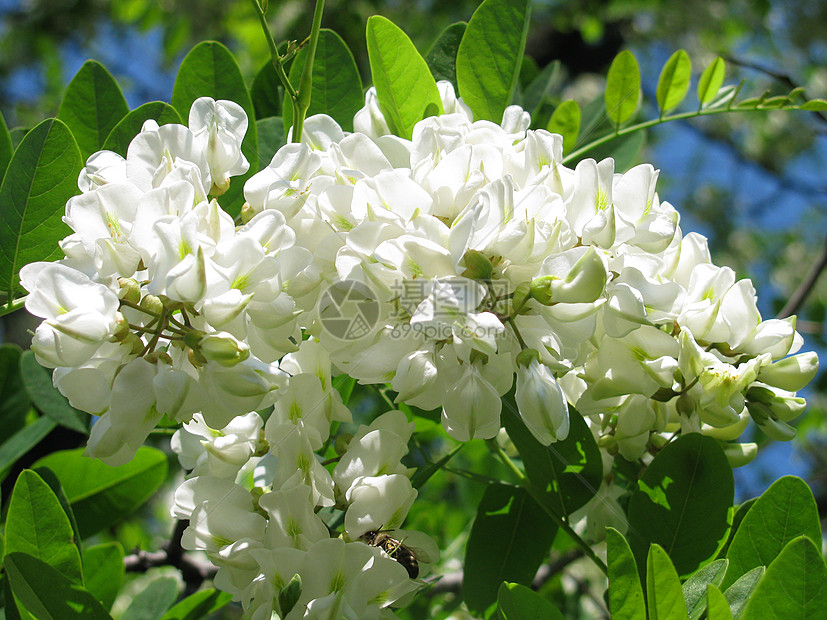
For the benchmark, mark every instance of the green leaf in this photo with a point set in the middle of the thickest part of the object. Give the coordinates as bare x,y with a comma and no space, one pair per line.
41,177
490,56
151,602
625,592
130,125
337,85
740,513
37,525
814,105
516,602
210,70
405,88
47,399
22,441
104,571
102,495
270,139
717,604
47,593
509,539
51,479
664,597
695,588
622,87
92,106
17,134
424,472
566,121
442,57
673,84
784,511
711,81
683,502
6,146
267,92
199,605
794,586
569,472
14,401
739,593
540,92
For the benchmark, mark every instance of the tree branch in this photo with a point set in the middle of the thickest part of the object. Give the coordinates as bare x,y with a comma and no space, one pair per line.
797,299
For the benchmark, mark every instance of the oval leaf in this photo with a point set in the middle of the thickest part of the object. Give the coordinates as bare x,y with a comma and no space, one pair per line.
566,121
41,177
37,525
673,83
151,602
622,87
104,571
405,88
337,85
270,139
92,106
210,70
22,441
711,80
47,399
717,604
695,588
794,586
625,592
664,597
683,501
267,92
739,593
130,125
509,539
516,602
47,593
490,56
442,57
569,472
102,495
784,511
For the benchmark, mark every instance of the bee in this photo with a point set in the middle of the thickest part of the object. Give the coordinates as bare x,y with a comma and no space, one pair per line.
394,548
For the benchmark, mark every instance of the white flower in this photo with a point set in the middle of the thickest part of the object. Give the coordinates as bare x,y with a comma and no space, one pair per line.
541,402
222,125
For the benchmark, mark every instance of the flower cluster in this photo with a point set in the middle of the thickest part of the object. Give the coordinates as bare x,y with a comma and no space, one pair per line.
446,266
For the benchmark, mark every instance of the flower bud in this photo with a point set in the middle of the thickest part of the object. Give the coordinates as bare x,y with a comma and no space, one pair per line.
521,295
477,266
152,303
341,443
133,341
247,213
130,290
584,282
526,356
121,328
541,402
223,348
783,405
791,373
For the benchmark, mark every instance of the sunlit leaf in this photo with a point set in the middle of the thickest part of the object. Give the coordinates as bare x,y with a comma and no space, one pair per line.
490,56
565,120
130,125
815,105
151,602
517,602
673,84
405,88
625,591
784,511
664,597
103,571
718,608
271,139
622,87
199,605
6,147
711,80
695,588
37,525
102,495
739,593
41,177
92,106
337,86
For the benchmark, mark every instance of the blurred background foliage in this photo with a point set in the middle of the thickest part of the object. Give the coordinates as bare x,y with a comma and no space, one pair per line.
754,183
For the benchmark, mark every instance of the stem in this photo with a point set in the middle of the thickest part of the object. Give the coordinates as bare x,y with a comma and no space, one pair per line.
542,500
807,285
302,102
517,333
12,305
278,63
657,121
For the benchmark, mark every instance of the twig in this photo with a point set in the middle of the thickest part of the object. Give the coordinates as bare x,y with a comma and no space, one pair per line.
807,285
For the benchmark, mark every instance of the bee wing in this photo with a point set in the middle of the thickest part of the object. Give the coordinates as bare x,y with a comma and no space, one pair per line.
420,544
